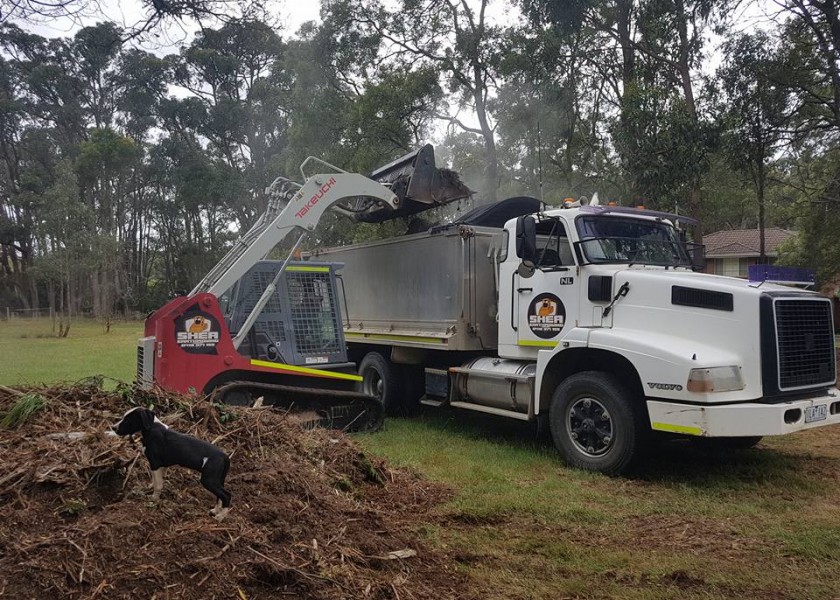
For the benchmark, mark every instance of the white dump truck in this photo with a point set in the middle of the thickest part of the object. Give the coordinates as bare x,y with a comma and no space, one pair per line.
592,319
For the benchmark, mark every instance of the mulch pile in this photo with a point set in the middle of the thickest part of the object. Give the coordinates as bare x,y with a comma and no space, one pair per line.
312,516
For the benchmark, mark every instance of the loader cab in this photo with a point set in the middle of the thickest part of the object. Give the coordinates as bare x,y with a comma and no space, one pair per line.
300,325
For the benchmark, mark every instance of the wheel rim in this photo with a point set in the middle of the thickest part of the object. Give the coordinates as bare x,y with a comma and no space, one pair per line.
590,427
373,384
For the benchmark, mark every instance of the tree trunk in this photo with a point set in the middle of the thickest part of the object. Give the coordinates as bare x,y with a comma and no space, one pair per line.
762,252
624,34
491,168
684,67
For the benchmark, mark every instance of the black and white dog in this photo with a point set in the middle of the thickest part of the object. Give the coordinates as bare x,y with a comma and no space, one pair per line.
165,448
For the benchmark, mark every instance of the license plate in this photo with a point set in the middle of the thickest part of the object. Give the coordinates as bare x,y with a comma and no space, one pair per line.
816,413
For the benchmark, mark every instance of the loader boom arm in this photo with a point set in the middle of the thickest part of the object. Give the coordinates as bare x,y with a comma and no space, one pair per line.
320,193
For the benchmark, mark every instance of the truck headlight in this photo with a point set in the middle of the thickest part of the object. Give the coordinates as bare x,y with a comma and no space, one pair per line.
715,379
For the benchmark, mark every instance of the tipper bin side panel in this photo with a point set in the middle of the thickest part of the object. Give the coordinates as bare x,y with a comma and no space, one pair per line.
428,289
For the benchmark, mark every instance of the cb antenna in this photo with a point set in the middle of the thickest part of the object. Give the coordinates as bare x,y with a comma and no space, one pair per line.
539,161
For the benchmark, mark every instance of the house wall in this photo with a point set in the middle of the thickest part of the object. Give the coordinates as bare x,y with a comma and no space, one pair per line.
732,266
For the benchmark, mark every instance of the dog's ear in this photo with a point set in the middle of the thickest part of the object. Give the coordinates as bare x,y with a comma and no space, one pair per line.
147,418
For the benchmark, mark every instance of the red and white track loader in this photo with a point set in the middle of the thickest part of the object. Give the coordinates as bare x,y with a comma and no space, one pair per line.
254,327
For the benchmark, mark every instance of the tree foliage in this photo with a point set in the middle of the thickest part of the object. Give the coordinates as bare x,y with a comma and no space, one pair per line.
125,174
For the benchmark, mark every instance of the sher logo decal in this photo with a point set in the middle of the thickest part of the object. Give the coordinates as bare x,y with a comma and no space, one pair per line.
196,332
546,316
314,199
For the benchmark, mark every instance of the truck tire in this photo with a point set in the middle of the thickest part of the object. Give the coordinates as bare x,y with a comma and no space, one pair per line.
382,379
597,423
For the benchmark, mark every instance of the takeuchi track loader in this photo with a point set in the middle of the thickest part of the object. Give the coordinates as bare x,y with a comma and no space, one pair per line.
273,329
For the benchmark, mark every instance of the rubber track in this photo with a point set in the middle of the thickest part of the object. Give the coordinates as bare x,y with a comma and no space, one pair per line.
347,415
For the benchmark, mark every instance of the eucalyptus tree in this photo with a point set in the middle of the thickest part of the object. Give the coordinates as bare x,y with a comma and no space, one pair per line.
650,51
74,97
93,52
154,15
756,111
811,30
810,35
351,105
551,110
353,109
15,224
455,39
236,72
51,91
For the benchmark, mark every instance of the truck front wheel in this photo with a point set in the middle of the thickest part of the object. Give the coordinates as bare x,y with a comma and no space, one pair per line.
381,379
597,423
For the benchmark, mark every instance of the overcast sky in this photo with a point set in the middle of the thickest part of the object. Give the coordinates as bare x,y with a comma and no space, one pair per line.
288,14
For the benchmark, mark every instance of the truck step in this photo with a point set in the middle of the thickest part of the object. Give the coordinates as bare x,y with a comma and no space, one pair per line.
431,402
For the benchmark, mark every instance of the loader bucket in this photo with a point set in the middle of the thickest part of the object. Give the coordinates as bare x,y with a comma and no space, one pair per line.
418,184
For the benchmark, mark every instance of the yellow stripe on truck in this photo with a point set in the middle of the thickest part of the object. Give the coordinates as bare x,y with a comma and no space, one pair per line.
305,370
686,429
537,343
393,338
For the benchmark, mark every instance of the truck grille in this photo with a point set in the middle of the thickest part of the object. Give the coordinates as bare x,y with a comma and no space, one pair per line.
805,343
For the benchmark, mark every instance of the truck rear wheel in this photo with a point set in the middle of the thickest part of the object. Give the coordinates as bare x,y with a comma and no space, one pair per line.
597,423
382,379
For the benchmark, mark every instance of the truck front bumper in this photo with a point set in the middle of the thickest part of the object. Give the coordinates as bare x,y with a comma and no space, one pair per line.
747,419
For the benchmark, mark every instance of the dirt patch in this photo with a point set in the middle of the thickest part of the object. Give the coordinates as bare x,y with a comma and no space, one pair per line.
659,533
312,516
690,536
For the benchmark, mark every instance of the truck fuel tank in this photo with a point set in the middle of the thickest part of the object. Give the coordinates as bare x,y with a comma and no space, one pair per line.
493,382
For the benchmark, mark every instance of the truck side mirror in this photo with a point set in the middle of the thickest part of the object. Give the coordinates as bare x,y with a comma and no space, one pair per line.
526,269
526,238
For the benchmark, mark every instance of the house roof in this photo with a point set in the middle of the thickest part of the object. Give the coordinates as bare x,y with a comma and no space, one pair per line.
744,242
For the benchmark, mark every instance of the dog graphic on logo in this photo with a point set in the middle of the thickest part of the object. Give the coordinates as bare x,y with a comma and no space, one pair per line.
198,324
547,308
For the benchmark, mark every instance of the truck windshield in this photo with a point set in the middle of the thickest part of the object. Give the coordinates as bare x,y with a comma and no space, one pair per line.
608,239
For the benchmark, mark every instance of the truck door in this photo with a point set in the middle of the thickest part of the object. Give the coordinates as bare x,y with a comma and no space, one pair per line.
547,302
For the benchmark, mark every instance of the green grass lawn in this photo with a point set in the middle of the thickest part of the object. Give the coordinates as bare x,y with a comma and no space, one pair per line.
30,352
761,524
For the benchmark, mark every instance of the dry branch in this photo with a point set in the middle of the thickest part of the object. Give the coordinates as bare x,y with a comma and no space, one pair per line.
75,520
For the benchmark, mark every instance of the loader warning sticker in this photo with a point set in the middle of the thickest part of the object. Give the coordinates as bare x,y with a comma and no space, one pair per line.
197,332
546,316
